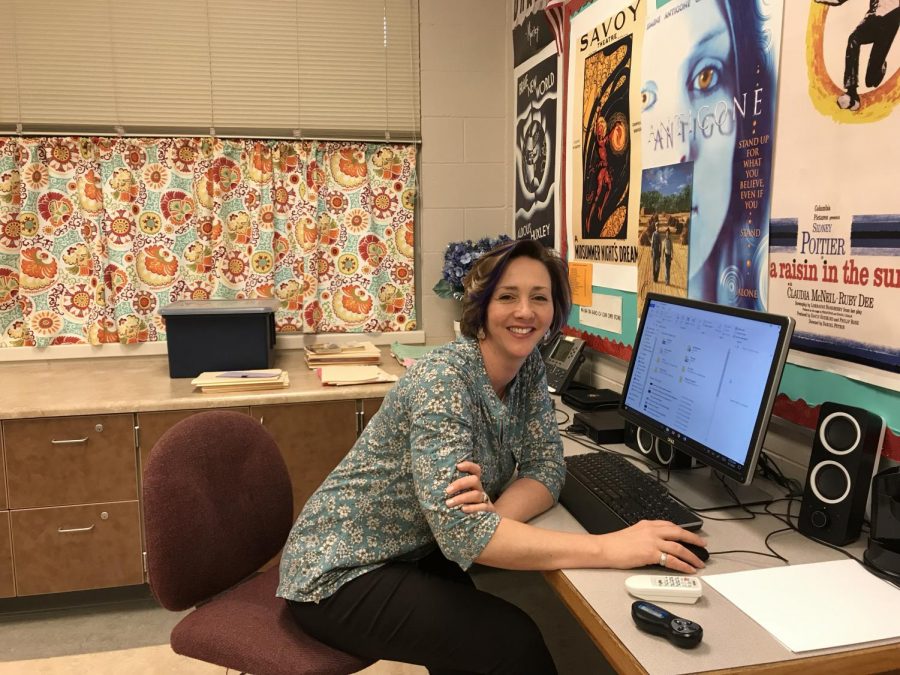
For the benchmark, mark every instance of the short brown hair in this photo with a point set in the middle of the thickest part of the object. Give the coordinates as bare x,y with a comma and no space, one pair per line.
482,279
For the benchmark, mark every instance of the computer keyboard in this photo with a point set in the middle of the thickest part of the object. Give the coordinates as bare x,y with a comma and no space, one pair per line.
605,492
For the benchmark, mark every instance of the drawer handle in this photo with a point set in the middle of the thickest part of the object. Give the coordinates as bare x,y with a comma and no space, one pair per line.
68,441
69,530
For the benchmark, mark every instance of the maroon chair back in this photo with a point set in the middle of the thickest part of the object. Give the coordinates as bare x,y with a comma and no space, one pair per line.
217,506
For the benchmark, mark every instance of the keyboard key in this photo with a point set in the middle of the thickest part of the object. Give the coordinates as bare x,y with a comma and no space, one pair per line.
605,492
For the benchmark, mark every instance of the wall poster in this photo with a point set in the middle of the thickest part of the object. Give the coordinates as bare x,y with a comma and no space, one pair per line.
709,74
665,230
537,147
603,140
835,241
531,30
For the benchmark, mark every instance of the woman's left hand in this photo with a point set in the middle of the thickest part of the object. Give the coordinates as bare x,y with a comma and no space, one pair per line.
468,494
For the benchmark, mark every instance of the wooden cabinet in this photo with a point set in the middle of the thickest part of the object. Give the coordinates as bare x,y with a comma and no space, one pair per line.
152,425
3,502
70,510
73,519
72,548
370,406
7,586
70,460
313,438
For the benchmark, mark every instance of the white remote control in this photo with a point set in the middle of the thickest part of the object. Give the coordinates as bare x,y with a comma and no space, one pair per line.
664,588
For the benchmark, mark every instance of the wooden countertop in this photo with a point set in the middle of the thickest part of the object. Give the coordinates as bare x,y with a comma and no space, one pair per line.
55,388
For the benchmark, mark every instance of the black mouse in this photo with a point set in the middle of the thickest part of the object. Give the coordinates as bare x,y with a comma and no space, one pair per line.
698,551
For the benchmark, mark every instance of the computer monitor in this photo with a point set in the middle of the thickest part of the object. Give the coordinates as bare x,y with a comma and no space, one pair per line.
704,377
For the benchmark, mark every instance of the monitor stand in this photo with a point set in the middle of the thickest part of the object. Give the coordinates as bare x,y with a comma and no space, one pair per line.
701,490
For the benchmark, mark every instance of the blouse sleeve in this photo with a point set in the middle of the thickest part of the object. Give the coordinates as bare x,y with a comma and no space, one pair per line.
441,410
540,455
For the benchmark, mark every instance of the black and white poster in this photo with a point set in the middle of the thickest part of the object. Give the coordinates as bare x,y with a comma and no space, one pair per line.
536,146
531,30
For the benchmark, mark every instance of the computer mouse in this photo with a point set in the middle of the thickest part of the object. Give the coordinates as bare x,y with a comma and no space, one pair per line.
698,551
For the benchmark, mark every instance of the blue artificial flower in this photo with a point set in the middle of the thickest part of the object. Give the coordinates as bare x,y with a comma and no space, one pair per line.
459,257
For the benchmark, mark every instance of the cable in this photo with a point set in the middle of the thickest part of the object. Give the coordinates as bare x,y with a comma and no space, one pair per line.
768,468
565,421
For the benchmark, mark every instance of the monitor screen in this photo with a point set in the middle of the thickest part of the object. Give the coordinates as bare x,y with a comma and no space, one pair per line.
704,377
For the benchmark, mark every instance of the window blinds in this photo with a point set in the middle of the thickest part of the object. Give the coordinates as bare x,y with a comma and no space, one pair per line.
273,68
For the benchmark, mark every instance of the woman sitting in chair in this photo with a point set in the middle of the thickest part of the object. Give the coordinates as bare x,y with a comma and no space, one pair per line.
375,564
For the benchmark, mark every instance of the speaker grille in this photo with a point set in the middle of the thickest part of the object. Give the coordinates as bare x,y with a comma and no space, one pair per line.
831,482
840,433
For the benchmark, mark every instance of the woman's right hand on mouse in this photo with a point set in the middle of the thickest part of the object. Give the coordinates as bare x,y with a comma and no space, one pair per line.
644,543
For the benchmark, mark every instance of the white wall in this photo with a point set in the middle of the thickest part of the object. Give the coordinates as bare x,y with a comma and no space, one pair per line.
465,167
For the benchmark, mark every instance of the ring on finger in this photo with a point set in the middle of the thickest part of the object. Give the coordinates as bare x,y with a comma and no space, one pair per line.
663,558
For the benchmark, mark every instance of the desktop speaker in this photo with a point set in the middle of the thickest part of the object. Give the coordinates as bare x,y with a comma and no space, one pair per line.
845,452
653,448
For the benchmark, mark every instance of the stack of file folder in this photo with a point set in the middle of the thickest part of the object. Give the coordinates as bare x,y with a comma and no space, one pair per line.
241,380
351,353
344,375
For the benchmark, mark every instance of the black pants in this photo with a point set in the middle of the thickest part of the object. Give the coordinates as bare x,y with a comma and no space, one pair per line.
879,31
428,613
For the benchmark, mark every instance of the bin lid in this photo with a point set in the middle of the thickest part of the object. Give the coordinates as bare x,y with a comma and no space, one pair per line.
254,306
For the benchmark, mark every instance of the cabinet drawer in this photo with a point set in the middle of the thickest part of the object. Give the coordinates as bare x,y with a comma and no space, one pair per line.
7,588
73,548
70,460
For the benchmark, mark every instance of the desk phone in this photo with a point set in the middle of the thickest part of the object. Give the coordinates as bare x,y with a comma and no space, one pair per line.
561,360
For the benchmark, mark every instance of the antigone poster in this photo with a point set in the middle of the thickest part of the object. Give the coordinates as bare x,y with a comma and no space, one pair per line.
708,93
603,151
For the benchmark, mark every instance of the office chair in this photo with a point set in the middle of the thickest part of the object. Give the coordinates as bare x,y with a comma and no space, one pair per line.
217,507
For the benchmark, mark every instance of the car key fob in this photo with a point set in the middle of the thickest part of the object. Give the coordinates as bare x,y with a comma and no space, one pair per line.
653,619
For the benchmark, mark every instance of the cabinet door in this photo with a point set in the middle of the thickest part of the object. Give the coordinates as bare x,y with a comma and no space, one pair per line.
73,548
3,501
70,460
7,587
313,438
370,406
152,425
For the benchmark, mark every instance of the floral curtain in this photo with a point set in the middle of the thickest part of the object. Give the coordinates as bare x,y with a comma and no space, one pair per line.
96,234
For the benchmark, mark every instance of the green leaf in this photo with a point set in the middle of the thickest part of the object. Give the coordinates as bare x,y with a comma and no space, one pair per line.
444,290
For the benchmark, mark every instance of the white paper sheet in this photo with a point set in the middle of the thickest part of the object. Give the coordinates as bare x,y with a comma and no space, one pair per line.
815,606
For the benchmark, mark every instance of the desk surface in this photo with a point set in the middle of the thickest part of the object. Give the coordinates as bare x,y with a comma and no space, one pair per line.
731,640
141,383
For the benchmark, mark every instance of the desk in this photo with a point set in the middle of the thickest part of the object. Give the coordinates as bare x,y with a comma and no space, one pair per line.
732,642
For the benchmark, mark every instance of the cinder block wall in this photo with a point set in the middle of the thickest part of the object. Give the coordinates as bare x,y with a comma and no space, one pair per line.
465,167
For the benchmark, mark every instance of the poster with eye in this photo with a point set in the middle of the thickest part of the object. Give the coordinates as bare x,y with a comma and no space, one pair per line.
531,30
665,227
603,152
835,240
708,97
536,146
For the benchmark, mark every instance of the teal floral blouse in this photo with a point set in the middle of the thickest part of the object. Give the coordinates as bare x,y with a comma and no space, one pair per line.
386,501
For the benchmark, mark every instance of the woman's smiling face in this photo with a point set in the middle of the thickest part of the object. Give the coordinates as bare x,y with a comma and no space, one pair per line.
688,112
520,311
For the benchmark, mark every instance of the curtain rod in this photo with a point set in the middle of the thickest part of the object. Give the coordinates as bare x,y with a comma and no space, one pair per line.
113,134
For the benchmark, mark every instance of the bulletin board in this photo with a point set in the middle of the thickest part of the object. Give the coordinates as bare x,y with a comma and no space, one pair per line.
801,201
